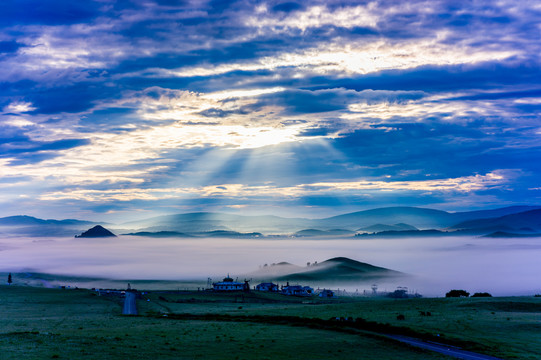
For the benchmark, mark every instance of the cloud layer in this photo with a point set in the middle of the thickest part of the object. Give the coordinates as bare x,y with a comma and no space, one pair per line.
309,107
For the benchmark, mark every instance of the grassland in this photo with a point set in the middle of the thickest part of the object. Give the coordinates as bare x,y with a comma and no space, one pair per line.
502,327
40,323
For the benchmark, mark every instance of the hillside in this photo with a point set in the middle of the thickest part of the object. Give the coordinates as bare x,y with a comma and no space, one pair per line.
502,234
524,222
493,213
317,232
206,222
159,234
399,219
229,234
339,269
96,232
404,218
24,220
22,225
418,217
383,227
273,271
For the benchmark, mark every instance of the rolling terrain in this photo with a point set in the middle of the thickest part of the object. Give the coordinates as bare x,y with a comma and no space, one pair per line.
393,221
335,270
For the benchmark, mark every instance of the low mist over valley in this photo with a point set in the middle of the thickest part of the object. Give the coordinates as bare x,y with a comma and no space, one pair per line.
462,252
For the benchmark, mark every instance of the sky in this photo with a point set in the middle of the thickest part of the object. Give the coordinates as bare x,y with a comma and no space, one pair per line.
122,110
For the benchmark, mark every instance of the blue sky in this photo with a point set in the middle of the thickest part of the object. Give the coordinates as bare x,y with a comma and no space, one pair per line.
128,109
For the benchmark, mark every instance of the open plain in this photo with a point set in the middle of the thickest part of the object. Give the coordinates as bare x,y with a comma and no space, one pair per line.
40,323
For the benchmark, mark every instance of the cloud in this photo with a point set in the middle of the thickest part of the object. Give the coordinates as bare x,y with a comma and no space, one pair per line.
361,98
465,184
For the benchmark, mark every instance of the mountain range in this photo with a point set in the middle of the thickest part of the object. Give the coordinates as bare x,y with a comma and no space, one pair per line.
23,225
391,220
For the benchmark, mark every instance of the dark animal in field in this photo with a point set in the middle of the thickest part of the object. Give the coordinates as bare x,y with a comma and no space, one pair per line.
400,317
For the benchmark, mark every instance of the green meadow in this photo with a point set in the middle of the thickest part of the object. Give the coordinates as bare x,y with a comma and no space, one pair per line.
39,323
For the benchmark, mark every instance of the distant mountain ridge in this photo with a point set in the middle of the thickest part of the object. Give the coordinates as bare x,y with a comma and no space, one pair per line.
209,221
527,221
159,234
403,218
513,219
25,220
331,232
383,227
23,225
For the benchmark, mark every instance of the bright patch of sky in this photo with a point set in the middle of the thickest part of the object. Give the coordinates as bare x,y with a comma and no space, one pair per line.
316,107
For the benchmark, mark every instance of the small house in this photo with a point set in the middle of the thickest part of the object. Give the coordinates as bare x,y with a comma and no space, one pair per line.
271,287
326,293
297,290
228,284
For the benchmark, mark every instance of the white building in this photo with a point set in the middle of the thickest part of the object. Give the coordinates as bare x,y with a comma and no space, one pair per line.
267,287
228,284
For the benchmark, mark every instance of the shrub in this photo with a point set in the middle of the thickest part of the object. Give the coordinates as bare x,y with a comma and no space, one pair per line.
457,293
482,294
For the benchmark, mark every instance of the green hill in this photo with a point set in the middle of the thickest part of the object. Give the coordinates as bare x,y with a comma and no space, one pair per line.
340,269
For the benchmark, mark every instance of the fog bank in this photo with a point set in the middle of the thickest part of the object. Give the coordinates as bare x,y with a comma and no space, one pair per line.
498,266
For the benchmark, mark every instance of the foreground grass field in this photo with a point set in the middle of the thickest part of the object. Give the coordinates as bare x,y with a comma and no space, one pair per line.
509,328
40,323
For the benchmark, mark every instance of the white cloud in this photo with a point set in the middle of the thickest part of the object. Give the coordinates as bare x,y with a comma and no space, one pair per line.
315,16
354,58
19,107
17,121
465,184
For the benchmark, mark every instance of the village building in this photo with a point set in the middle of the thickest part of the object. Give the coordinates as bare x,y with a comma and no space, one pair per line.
326,293
267,287
228,284
297,290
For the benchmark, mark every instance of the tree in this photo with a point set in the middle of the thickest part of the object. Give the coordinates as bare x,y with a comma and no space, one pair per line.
481,294
399,294
457,293
10,280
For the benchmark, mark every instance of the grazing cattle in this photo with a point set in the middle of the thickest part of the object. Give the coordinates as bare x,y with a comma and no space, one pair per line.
400,317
